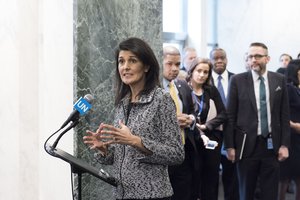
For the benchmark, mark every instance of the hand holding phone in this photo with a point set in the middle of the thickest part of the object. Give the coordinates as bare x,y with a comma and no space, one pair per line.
211,144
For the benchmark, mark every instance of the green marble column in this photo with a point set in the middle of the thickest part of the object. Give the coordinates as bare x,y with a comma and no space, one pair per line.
99,25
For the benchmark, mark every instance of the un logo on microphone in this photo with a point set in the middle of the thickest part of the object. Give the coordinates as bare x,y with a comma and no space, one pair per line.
82,106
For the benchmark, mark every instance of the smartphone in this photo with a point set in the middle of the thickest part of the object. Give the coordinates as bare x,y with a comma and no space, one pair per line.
211,144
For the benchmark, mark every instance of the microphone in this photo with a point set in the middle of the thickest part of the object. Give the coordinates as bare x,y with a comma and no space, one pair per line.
81,107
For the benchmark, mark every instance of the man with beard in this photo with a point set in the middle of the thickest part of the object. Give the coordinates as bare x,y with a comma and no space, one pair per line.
220,78
180,175
257,134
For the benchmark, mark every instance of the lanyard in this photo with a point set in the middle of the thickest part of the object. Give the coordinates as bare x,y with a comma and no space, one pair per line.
200,104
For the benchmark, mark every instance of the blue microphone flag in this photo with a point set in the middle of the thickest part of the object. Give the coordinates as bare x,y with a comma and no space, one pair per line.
82,106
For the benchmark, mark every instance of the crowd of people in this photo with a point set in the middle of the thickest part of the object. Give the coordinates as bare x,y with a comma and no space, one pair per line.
170,139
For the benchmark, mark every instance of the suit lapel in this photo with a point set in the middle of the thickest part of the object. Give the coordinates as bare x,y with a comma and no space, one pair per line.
179,88
272,88
251,92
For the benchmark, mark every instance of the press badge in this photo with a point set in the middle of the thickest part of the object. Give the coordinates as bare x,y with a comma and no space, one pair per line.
270,143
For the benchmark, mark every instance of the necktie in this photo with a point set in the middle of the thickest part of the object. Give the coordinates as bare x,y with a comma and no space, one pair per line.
221,89
174,96
176,101
263,108
222,94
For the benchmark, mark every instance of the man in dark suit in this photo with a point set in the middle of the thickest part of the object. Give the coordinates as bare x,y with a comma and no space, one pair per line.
180,175
220,78
257,133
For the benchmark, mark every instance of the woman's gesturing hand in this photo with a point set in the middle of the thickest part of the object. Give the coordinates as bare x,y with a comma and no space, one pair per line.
93,139
120,135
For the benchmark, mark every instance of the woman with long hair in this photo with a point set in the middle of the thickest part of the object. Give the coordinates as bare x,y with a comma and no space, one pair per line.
289,169
145,136
211,115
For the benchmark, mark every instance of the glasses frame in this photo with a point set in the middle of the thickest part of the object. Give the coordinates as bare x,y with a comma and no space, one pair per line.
256,56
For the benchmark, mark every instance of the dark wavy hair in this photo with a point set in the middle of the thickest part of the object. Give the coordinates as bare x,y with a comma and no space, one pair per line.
194,64
292,72
145,54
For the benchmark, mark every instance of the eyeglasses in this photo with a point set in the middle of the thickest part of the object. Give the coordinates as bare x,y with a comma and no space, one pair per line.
256,56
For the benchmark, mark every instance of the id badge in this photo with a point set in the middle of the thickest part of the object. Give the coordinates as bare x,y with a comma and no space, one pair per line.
270,143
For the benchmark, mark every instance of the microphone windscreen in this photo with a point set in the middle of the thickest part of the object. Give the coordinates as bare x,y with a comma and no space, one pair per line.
89,98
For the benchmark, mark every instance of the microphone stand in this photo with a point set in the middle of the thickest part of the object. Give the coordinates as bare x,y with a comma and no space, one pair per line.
77,166
62,133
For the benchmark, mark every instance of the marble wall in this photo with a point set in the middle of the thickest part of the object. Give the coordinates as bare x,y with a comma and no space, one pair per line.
99,25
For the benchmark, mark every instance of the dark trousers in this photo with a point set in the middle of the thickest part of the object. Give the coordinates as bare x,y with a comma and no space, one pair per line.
262,163
206,178
181,177
229,179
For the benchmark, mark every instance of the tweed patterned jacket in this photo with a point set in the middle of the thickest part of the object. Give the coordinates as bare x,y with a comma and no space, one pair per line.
153,118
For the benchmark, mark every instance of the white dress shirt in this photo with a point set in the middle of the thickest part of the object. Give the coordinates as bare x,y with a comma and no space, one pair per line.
224,80
256,83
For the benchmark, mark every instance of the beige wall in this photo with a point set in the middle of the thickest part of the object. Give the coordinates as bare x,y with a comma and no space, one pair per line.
273,22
